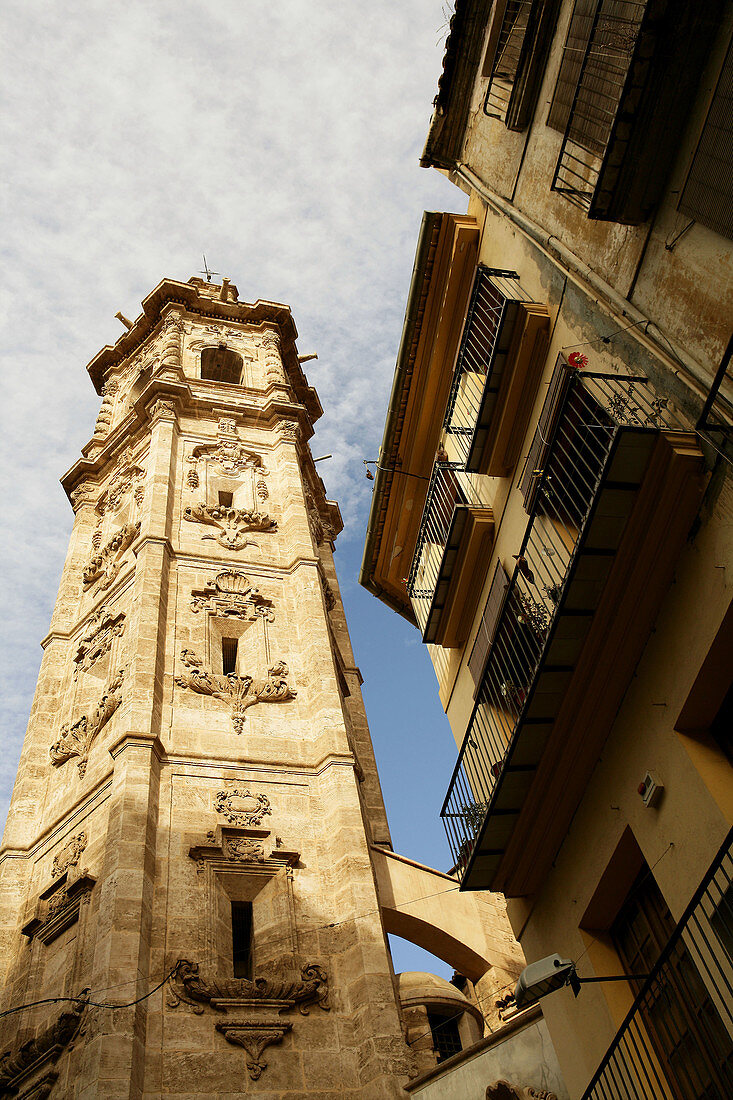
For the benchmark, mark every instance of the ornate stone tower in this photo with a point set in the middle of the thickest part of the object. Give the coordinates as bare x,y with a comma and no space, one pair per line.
197,792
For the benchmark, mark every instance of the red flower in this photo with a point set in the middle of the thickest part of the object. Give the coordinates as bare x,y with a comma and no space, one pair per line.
577,360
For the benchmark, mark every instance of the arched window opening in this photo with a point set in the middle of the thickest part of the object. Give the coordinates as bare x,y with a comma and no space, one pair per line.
221,364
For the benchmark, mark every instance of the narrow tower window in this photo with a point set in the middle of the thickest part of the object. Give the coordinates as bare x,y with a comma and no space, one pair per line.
221,365
225,499
242,939
229,655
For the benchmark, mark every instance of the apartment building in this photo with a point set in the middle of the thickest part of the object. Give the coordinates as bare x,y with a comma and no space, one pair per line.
552,509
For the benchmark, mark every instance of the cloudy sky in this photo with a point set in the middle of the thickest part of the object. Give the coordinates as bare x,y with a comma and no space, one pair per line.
281,139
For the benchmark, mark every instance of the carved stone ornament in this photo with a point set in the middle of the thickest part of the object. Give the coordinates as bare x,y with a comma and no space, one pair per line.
17,1066
241,807
232,524
106,564
127,476
69,855
104,419
160,409
228,452
232,595
82,494
103,627
502,1090
239,692
289,430
58,907
243,850
260,1003
254,1036
77,740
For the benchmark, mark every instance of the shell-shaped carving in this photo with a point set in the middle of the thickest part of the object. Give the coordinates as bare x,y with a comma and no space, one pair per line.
231,581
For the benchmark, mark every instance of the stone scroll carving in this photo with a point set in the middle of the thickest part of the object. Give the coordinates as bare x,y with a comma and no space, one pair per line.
77,740
103,627
502,1090
106,564
18,1065
127,478
232,595
228,452
69,855
239,692
232,524
260,1004
240,807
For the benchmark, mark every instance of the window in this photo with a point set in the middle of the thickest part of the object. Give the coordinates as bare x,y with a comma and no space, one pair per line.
581,24
446,1039
221,364
489,619
518,42
229,648
708,193
225,499
629,69
242,956
689,1037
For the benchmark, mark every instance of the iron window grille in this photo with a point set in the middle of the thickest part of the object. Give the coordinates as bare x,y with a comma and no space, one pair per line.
612,42
515,59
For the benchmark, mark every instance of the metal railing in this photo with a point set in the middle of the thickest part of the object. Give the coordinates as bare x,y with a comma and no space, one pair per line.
716,420
603,75
509,50
677,1039
450,488
481,357
594,408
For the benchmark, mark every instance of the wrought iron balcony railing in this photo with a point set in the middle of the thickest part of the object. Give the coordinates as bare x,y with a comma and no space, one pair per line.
503,329
452,496
561,568
677,1039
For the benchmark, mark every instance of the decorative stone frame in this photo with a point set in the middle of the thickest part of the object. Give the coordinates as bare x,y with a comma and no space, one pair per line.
242,861
58,906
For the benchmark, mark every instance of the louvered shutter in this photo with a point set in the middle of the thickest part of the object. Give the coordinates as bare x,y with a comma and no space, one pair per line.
708,193
581,24
545,427
487,626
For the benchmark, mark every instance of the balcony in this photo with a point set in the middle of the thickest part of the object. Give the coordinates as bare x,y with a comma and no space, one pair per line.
455,536
610,501
497,372
676,1039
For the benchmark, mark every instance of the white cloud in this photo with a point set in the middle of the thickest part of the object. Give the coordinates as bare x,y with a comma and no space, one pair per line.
282,140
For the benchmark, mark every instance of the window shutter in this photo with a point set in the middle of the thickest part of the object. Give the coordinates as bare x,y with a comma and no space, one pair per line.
581,24
545,427
487,626
708,193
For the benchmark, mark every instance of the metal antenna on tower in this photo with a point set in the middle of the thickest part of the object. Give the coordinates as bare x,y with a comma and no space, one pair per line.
207,272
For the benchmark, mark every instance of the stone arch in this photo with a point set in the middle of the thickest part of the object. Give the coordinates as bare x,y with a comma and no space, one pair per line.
468,931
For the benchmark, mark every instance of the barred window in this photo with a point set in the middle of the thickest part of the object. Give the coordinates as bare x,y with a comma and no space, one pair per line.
708,192
581,24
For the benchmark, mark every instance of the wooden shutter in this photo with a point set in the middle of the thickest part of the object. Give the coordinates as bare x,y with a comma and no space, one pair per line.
545,427
487,626
708,193
581,24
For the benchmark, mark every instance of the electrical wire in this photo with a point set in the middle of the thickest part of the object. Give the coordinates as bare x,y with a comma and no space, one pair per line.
606,339
87,1002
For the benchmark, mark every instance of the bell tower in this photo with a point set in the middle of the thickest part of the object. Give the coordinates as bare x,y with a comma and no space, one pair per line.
189,836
